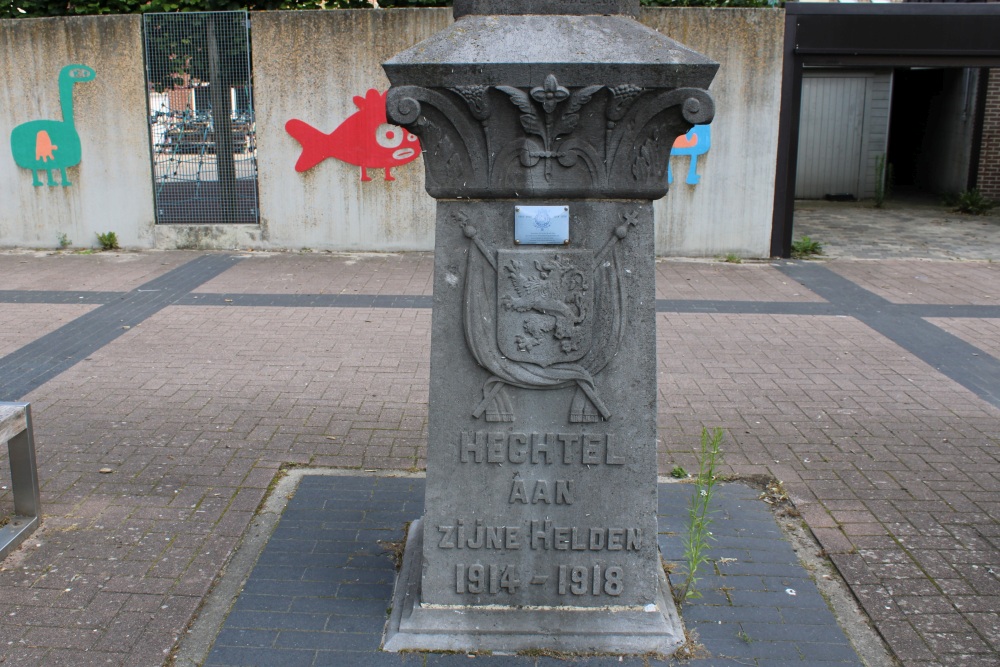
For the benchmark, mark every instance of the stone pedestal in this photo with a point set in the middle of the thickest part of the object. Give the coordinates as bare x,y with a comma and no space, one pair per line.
546,137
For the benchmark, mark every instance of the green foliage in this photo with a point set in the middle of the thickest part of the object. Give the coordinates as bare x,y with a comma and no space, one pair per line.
713,3
38,8
178,47
696,543
64,241
805,248
972,202
108,241
678,473
733,258
386,4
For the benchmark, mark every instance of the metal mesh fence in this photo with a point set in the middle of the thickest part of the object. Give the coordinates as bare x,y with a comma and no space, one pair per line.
201,117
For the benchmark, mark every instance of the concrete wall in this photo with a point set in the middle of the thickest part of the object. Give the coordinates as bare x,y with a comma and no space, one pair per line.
309,65
111,188
730,209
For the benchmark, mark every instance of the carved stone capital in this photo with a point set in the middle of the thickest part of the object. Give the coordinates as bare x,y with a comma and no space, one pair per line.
549,140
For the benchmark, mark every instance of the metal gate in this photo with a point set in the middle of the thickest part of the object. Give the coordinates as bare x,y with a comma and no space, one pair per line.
201,118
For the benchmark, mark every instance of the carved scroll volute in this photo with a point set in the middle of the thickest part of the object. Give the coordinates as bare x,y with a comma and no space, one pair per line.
639,145
453,143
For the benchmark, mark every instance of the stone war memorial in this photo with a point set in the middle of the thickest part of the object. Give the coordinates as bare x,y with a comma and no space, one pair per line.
546,128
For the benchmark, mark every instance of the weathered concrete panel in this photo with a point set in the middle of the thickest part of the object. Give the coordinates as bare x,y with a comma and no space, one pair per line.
309,65
111,188
730,209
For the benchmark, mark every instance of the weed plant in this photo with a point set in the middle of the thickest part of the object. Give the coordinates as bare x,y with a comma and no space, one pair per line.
108,241
972,202
699,537
883,180
805,248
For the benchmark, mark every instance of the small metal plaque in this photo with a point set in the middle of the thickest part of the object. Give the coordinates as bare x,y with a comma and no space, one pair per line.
541,225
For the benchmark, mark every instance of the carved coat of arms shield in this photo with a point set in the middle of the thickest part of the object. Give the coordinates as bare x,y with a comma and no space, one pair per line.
545,305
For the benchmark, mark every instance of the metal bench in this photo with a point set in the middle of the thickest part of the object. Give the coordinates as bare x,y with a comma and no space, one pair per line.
16,431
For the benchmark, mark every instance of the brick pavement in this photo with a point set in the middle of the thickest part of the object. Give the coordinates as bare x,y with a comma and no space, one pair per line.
893,464
909,227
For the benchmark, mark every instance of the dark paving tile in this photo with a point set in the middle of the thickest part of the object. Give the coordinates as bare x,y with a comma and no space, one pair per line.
331,603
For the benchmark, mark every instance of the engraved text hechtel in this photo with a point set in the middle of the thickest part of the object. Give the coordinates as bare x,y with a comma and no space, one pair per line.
499,447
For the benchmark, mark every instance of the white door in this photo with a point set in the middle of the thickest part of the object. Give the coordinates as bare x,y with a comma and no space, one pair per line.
831,126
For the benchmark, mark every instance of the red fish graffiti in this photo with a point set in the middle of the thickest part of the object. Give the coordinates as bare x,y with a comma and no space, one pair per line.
364,139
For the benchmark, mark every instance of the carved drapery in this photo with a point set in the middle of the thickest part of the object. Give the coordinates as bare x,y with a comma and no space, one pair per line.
604,322
549,140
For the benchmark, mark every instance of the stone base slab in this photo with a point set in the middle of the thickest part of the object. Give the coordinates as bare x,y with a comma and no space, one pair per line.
413,627
229,236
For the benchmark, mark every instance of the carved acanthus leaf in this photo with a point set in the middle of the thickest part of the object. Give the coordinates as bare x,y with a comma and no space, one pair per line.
581,97
622,97
519,98
475,97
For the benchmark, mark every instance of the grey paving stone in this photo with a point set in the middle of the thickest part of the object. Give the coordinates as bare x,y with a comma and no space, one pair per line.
251,602
262,619
375,609
354,614
232,656
777,630
246,638
724,644
438,660
336,659
334,640
590,662
778,599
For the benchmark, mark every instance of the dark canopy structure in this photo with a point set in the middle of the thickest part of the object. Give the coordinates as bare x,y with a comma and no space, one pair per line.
880,35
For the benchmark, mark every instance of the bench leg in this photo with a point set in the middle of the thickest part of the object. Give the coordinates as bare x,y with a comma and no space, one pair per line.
24,471
24,487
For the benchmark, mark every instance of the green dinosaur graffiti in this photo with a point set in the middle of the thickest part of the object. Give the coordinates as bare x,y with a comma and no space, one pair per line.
44,145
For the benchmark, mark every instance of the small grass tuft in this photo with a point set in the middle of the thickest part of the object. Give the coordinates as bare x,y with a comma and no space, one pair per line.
691,649
677,472
733,258
805,248
395,548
